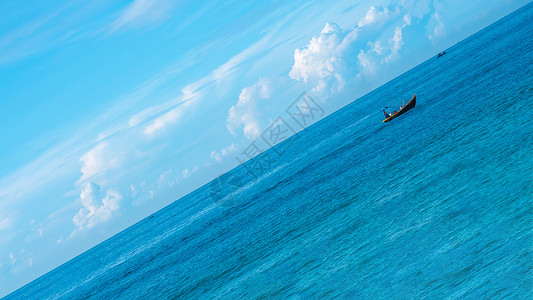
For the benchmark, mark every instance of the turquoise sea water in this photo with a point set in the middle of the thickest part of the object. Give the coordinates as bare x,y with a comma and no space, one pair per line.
437,203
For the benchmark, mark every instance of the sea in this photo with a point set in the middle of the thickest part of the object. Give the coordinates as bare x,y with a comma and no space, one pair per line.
436,204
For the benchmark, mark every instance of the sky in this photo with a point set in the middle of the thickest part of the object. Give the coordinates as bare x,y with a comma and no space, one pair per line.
111,110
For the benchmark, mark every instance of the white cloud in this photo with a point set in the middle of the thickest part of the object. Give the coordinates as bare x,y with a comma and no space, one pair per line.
6,223
229,149
321,62
96,161
19,262
163,121
187,173
143,12
141,192
98,206
420,8
407,19
219,156
12,259
334,59
373,15
216,156
133,190
376,56
189,96
438,30
397,39
192,92
367,62
150,112
246,112
166,179
376,47
396,42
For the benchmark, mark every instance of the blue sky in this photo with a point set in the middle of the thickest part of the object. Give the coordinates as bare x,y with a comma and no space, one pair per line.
111,110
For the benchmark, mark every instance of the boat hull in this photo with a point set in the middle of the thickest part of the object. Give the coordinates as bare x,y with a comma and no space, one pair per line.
406,108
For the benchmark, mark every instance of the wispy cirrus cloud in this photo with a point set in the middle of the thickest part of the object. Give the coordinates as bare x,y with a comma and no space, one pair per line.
142,13
168,118
96,161
53,27
192,93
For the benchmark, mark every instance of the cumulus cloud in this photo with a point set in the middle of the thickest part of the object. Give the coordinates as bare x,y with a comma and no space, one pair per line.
376,47
328,62
98,206
219,156
377,55
407,19
246,112
143,12
368,62
139,192
19,262
321,62
192,93
187,173
397,39
166,178
438,29
396,43
373,15
335,59
216,156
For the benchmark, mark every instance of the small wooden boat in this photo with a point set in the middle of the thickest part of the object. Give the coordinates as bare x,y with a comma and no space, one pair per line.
403,110
441,54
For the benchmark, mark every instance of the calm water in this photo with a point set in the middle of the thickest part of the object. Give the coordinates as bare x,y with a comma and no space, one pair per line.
437,203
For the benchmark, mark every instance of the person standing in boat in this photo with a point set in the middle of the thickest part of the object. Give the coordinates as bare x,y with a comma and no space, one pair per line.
386,114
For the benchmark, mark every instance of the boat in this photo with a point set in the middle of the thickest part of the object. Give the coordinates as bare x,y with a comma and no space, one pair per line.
403,109
441,54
